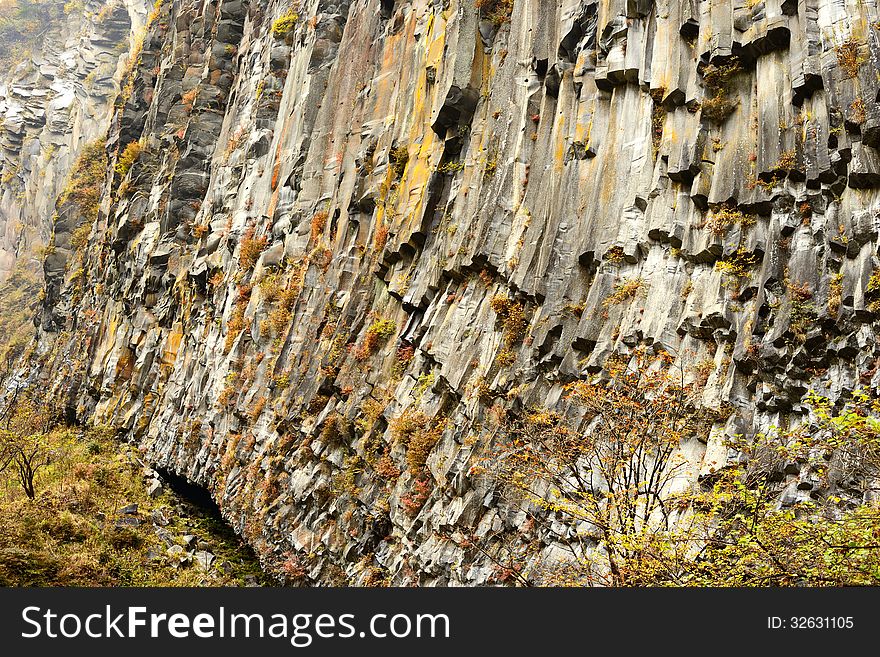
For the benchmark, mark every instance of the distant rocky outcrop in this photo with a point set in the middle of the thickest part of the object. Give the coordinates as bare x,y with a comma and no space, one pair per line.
58,97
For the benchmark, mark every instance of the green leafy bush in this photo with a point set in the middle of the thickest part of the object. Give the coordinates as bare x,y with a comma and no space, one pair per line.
283,26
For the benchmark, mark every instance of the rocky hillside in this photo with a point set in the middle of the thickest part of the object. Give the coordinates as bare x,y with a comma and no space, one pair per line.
61,66
53,101
335,239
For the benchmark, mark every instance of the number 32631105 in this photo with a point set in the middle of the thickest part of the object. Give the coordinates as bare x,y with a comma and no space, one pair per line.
811,623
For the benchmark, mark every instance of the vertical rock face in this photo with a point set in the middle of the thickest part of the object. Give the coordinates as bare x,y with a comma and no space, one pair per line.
328,226
52,103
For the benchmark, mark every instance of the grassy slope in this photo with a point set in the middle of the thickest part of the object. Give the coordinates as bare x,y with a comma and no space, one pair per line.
68,536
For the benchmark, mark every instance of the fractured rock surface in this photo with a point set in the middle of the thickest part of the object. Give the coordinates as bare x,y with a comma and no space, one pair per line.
51,104
308,245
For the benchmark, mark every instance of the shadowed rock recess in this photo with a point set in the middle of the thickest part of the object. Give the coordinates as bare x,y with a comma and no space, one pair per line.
309,207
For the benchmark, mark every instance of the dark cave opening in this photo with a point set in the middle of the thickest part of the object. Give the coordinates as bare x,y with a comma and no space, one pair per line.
196,495
200,504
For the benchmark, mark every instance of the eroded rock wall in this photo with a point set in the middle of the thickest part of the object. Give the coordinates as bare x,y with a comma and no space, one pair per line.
301,263
52,103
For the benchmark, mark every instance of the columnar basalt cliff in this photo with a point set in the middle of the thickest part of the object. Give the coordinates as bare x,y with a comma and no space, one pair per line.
338,238
51,104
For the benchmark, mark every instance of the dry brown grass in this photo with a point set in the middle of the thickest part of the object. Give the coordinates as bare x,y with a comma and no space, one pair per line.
69,535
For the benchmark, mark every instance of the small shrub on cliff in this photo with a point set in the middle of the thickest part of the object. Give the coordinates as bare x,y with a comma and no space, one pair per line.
335,430
415,498
515,324
251,248
497,11
278,320
835,293
256,410
319,223
381,238
419,433
235,326
803,313
403,357
405,426
237,322
718,107
189,99
399,158
614,255
236,139
505,357
226,396
385,468
86,179
500,304
270,287
283,27
873,290
344,481
717,77
452,166
738,264
849,57
658,117
80,237
787,161
379,332
513,318
725,217
155,13
858,113
491,167
127,158
624,291
421,444
382,329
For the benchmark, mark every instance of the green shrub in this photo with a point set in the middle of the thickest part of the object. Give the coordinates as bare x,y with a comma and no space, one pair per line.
725,217
283,26
128,157
86,179
497,11
623,291
399,158
737,264
718,106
